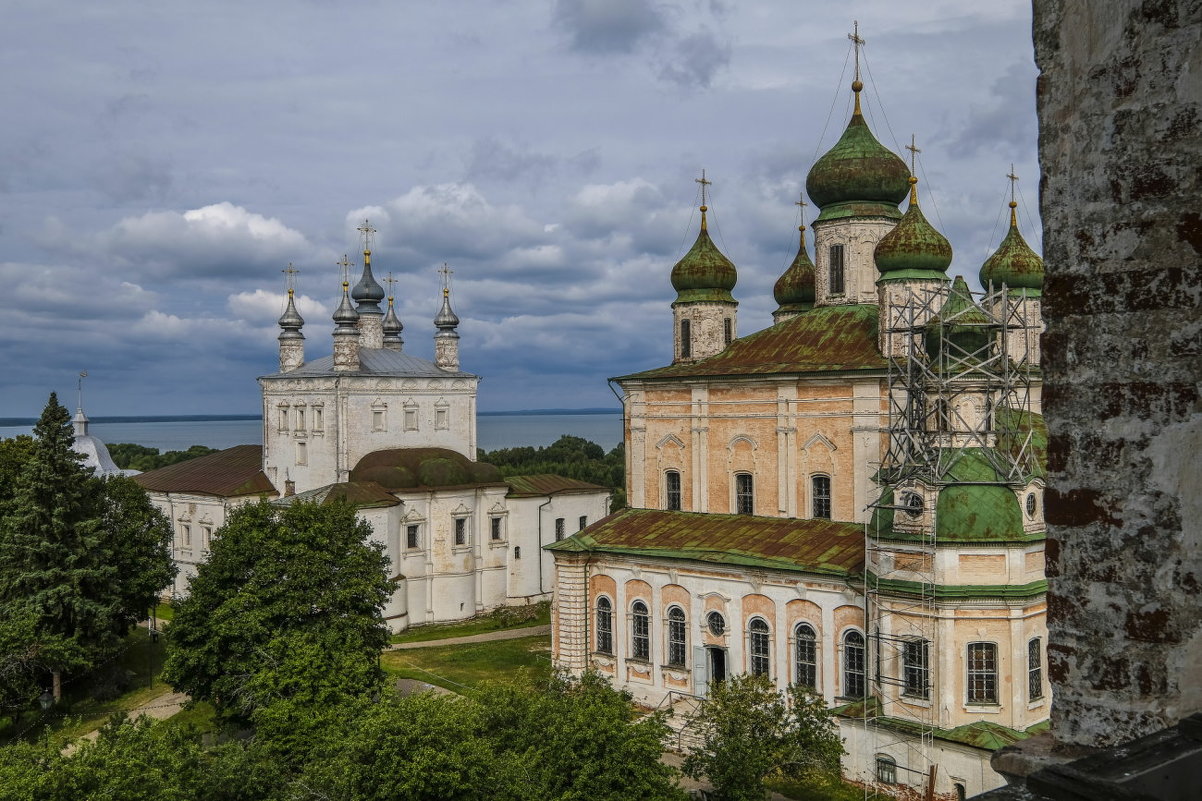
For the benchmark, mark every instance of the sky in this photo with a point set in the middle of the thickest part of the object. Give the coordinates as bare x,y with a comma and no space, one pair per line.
161,164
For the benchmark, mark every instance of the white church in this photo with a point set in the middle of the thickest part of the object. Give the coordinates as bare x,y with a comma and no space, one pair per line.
395,435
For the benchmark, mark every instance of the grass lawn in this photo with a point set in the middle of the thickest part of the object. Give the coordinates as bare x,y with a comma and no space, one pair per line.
834,790
477,625
459,668
79,714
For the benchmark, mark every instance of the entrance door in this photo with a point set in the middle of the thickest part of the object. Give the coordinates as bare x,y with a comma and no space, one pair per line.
717,660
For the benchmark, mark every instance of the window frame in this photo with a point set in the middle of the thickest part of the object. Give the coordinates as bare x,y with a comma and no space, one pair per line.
413,534
603,634
744,494
496,528
583,521
677,626
640,631
886,769
835,270
916,673
759,647
686,339
302,453
461,537
853,679
805,655
560,528
821,501
673,496
728,330
1034,669
981,673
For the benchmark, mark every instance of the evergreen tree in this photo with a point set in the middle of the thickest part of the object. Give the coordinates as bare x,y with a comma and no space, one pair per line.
135,542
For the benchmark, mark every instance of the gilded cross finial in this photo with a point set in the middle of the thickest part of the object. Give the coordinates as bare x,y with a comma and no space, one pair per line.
914,151
290,281
1013,180
345,270
446,273
704,183
391,283
801,204
367,231
857,42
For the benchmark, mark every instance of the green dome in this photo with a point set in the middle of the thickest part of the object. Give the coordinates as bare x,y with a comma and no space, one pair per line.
794,290
913,249
409,468
1014,263
858,176
967,512
962,323
704,273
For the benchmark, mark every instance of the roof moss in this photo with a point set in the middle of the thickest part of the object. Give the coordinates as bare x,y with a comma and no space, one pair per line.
410,468
704,274
858,176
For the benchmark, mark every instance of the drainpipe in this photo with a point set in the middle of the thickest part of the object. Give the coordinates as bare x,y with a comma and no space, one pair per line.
539,550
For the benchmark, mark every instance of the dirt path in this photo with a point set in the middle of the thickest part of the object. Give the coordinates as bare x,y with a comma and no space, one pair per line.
488,636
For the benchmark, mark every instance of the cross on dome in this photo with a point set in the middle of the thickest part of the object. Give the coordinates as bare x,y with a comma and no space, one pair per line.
367,231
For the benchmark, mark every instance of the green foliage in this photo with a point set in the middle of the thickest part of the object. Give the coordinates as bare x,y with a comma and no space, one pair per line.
568,456
287,607
27,654
753,732
127,455
136,538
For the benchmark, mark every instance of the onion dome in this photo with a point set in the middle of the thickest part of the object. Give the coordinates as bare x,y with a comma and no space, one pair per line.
446,321
345,316
858,176
1014,263
913,249
392,324
367,293
704,273
962,323
291,321
794,290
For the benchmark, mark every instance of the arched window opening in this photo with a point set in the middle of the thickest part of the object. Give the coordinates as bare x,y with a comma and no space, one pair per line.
640,632
886,769
744,494
806,648
821,486
759,647
686,339
672,490
676,637
605,626
853,665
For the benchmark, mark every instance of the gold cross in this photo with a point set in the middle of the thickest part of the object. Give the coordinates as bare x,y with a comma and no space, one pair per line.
367,231
914,151
290,271
345,266
390,281
704,183
857,42
801,204
1013,179
446,277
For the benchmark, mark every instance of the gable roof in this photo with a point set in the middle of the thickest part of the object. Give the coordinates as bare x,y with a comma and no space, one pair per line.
229,473
548,484
825,339
784,543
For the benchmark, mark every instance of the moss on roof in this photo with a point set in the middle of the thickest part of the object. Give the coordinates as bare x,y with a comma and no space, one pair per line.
858,176
813,546
412,468
794,290
826,339
230,473
704,274
1014,264
913,245
548,484
360,494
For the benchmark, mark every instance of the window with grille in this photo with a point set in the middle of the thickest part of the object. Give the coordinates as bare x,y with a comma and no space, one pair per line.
411,540
744,494
886,769
853,664
728,330
759,646
605,626
640,632
686,339
821,486
558,529
676,637
672,490
836,269
982,673
916,660
806,655
495,523
1034,670
583,523
461,531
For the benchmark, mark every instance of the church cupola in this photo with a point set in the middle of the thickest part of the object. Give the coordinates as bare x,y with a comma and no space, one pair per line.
367,295
704,312
392,324
446,340
292,341
960,331
794,290
857,185
346,331
1017,268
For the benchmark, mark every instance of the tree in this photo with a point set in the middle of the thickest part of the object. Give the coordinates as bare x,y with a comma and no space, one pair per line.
287,608
752,731
136,542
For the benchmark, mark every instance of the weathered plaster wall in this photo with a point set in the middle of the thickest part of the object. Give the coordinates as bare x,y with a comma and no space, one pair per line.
1120,106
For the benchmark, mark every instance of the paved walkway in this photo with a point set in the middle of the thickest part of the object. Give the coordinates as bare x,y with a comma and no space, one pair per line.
160,707
488,636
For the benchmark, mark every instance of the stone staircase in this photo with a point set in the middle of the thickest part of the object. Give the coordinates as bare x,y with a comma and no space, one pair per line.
682,711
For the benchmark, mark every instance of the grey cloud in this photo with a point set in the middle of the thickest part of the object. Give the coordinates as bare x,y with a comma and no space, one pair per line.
1008,116
607,26
492,158
692,60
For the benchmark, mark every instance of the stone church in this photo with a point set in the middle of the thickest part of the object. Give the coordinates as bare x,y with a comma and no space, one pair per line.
395,435
849,499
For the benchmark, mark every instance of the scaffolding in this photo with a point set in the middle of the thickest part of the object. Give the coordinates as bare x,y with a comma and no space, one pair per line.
959,395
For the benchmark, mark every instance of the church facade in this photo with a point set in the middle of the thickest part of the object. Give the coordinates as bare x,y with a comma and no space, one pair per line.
850,499
395,435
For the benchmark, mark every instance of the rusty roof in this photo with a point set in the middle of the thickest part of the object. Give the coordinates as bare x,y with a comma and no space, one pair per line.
825,339
229,473
548,484
785,543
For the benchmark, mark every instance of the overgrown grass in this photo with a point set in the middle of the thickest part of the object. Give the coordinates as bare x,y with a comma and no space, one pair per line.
833,789
164,612
512,617
460,668
200,714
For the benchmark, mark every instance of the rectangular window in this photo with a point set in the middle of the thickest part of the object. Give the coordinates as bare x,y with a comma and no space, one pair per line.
302,453
318,418
916,656
300,419
686,339
821,486
206,537
378,420
495,523
558,529
185,535
640,632
744,494
677,632
853,665
728,330
1034,670
461,531
836,269
672,490
807,656
442,419
283,418
583,522
982,673
411,540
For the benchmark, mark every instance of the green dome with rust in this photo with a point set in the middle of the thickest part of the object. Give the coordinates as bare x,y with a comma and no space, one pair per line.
858,176
704,273
913,249
961,322
1014,263
794,290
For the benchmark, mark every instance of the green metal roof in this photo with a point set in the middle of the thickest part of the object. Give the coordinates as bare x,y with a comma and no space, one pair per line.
825,339
983,734
858,176
794,290
704,274
548,484
913,244
1014,263
783,543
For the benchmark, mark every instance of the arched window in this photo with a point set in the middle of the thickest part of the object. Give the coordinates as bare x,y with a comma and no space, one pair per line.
744,494
853,664
640,632
672,490
982,673
676,637
836,269
605,626
759,647
806,655
517,552
821,486
1034,670
886,769
686,339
